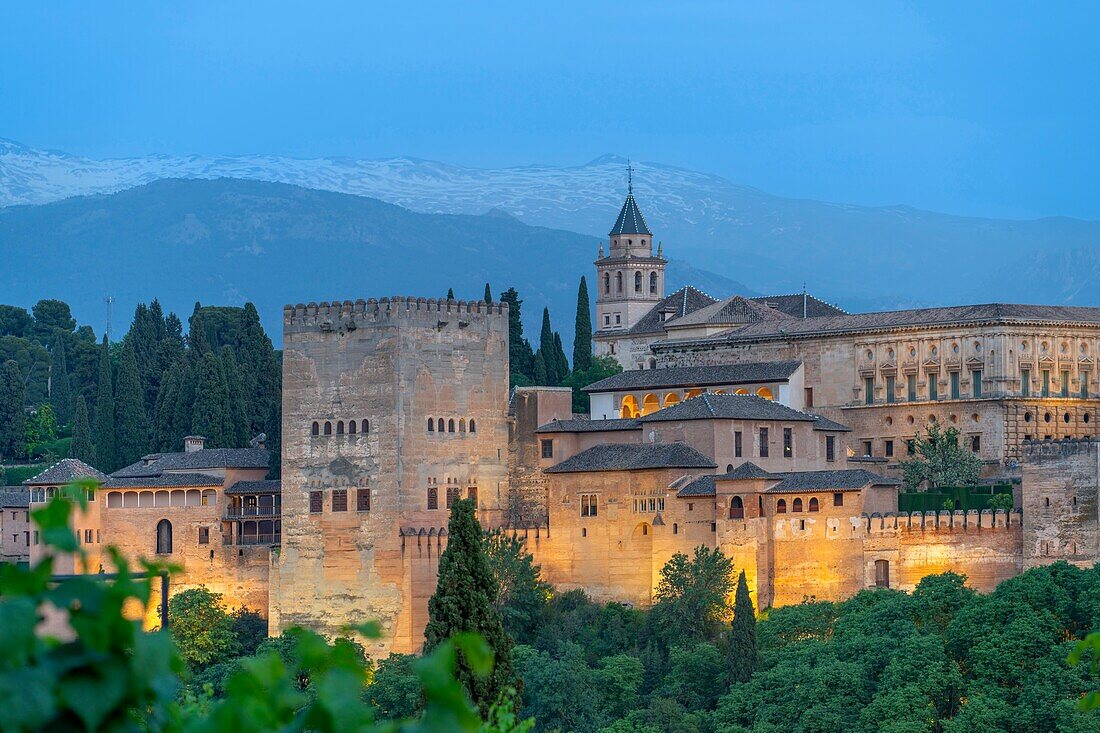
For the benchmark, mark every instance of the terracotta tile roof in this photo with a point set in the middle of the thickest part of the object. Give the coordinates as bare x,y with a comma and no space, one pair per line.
267,486
163,481
684,301
633,457
15,496
791,482
64,471
702,376
208,458
733,310
587,426
728,407
792,305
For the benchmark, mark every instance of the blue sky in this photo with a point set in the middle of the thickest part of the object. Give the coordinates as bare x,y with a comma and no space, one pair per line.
988,109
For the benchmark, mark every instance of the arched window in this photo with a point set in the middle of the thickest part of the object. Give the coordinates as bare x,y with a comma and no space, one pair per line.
316,429
618,282
638,282
431,425
164,537
364,426
765,393
439,425
451,425
781,506
607,283
629,407
729,468
351,427
339,427
797,506
328,428
882,573
694,392
650,404
473,426
462,425
671,399
433,497
653,283
814,506
737,508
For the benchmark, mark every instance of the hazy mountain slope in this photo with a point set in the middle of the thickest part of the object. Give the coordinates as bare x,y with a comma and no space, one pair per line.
227,241
864,257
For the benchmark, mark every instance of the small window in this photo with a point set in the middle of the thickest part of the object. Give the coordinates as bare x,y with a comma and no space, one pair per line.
814,505
808,396
691,506
788,443
339,427
911,387
433,497
737,508
1065,384
584,531
797,506
976,382
88,536
364,426
888,448
1025,382
637,282
737,444
781,506
607,282
882,573
164,537
473,426
763,442
471,493
339,500
439,425
954,385
618,318
838,499
868,447
869,390
652,283
675,528
316,499
316,429
891,388
328,428
547,448
452,496
431,425
204,535
351,427
589,505
976,443
830,448
462,425
451,425
933,386
1045,387
607,319
911,447
362,500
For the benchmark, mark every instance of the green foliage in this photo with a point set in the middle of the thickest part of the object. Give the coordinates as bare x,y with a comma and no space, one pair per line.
940,460
41,426
488,297
600,367
15,475
521,594
540,375
34,364
692,596
450,293
1001,501
235,406
212,417
105,413
521,360
1088,651
395,689
50,317
697,676
743,653
201,627
15,321
13,432
582,338
132,430
250,630
465,602
61,394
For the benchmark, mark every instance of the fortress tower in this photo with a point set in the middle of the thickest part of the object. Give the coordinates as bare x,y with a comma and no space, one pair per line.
630,279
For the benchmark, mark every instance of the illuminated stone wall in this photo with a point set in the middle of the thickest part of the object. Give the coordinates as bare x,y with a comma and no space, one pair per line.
1061,496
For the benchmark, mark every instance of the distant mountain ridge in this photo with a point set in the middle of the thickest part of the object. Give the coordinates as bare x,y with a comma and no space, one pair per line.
860,257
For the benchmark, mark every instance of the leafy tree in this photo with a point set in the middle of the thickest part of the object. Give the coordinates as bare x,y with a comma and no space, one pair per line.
34,363
618,681
12,420
940,460
582,338
201,627
211,417
521,360
260,378
1003,502
81,447
51,316
692,596
521,594
559,689
743,655
15,321
395,689
600,367
697,676
488,294
131,423
42,426
105,413
61,394
250,630
465,601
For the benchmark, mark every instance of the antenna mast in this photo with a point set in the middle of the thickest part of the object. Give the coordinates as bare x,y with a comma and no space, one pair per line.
110,301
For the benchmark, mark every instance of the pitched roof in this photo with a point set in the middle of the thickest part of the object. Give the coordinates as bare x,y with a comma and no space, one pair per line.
914,318
829,426
163,481
587,426
633,457
64,471
208,458
793,304
14,496
702,376
267,486
727,407
733,310
630,219
747,470
702,486
842,480
684,301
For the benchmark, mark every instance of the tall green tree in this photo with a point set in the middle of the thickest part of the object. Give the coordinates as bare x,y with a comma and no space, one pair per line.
239,432
105,412
546,348
940,460
601,367
201,626
582,335
743,654
465,601
692,597
540,375
51,316
198,343
561,364
211,417
166,430
61,394
15,321
450,293
131,422
521,359
81,447
13,428
259,373
521,594
488,294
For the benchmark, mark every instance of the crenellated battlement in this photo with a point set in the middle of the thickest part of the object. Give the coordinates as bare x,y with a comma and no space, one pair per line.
349,314
942,521
1038,451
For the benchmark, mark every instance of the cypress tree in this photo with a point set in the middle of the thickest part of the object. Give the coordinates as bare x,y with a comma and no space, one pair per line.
488,294
561,362
81,448
540,377
465,601
13,425
743,654
184,409
105,413
145,334
197,343
165,430
259,373
131,421
61,394
521,360
239,425
546,348
211,417
582,338
450,293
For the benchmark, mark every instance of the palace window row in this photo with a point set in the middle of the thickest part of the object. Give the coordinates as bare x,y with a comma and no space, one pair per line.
932,383
639,281
40,494
797,505
630,407
350,428
174,498
338,500
450,425
649,505
454,493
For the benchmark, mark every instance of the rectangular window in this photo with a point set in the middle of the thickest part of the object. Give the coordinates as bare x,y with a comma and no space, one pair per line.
204,535
1065,384
1045,389
737,443
471,493
838,499
868,390
809,396
618,319
433,497
339,500
976,382
830,448
868,447
888,448
607,320
933,386
589,506
362,500
911,384
891,386
955,386
1025,382
316,499
976,444
452,496
547,448
1084,385
788,443
763,442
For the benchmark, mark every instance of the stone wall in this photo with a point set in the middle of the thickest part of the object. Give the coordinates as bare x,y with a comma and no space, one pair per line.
1061,495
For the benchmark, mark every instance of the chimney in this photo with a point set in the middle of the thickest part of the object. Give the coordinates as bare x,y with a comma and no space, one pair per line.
193,443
